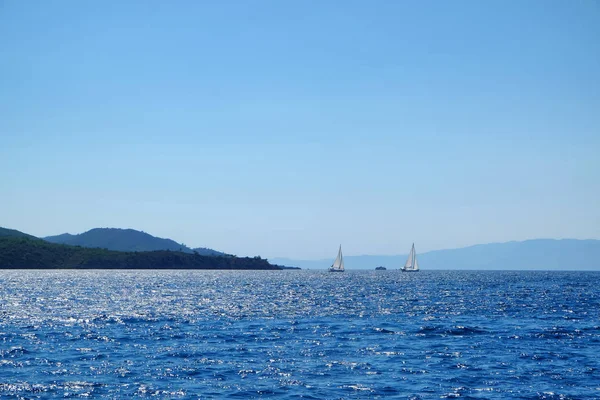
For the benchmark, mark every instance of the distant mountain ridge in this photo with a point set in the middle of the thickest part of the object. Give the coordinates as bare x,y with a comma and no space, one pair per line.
535,254
126,240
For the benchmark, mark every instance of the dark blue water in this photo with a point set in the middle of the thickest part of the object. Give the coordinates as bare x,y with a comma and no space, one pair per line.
299,334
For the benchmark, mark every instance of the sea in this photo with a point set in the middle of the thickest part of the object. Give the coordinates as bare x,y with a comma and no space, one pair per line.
299,334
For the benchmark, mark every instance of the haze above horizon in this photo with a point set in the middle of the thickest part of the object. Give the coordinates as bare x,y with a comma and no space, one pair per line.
284,129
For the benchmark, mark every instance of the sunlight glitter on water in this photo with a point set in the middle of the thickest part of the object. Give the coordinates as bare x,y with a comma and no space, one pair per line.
298,333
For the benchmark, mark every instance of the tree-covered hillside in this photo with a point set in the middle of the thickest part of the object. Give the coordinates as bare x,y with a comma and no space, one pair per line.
31,253
4,232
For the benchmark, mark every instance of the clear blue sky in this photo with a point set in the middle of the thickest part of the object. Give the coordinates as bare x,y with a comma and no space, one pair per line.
284,128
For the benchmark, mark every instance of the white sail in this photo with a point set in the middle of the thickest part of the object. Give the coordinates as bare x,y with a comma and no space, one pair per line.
338,264
411,262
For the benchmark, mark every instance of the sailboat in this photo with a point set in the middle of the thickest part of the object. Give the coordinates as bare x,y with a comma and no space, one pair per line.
411,264
338,264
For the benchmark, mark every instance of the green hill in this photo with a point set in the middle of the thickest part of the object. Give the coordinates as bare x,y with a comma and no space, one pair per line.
27,252
204,251
5,232
125,240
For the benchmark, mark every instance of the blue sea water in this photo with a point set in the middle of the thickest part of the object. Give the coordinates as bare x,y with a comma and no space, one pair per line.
299,334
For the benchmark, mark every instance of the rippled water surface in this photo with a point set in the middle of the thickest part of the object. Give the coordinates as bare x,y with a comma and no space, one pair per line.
299,334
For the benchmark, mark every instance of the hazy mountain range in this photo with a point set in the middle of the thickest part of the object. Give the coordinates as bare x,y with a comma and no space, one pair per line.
537,254
126,240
